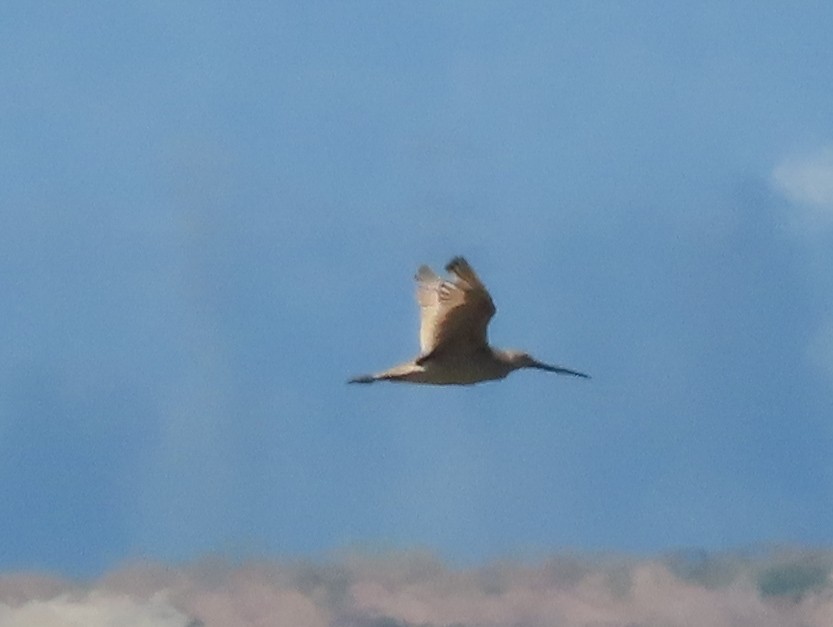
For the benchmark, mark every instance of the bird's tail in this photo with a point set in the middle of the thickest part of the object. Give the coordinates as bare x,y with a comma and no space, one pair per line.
401,372
365,378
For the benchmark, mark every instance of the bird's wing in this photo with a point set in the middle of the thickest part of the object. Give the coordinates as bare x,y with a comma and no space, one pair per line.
454,313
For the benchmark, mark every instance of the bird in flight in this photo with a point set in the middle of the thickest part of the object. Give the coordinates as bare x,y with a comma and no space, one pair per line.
454,350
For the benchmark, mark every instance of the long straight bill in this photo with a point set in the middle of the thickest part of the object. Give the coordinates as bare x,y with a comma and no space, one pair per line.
559,370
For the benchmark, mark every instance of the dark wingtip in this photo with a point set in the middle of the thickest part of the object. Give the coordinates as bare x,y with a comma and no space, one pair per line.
455,261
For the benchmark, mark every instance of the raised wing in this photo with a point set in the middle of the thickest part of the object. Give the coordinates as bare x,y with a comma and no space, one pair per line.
454,313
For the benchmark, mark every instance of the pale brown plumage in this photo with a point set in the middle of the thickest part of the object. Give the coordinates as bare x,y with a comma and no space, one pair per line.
454,314
454,350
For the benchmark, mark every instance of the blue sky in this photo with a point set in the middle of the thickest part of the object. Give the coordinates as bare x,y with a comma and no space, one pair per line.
210,218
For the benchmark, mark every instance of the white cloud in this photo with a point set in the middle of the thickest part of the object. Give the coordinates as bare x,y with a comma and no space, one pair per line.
807,182
93,610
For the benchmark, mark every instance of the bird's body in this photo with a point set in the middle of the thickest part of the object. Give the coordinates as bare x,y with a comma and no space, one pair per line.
454,369
454,316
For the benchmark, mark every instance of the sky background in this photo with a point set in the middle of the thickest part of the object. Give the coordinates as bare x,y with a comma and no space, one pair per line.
211,214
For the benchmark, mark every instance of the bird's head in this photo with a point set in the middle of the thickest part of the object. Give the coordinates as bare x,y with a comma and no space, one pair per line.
519,359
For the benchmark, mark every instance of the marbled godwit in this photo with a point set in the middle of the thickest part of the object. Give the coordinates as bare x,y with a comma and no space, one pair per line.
454,350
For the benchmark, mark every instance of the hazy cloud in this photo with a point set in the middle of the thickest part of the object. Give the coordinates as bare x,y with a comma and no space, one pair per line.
774,589
807,182
821,348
